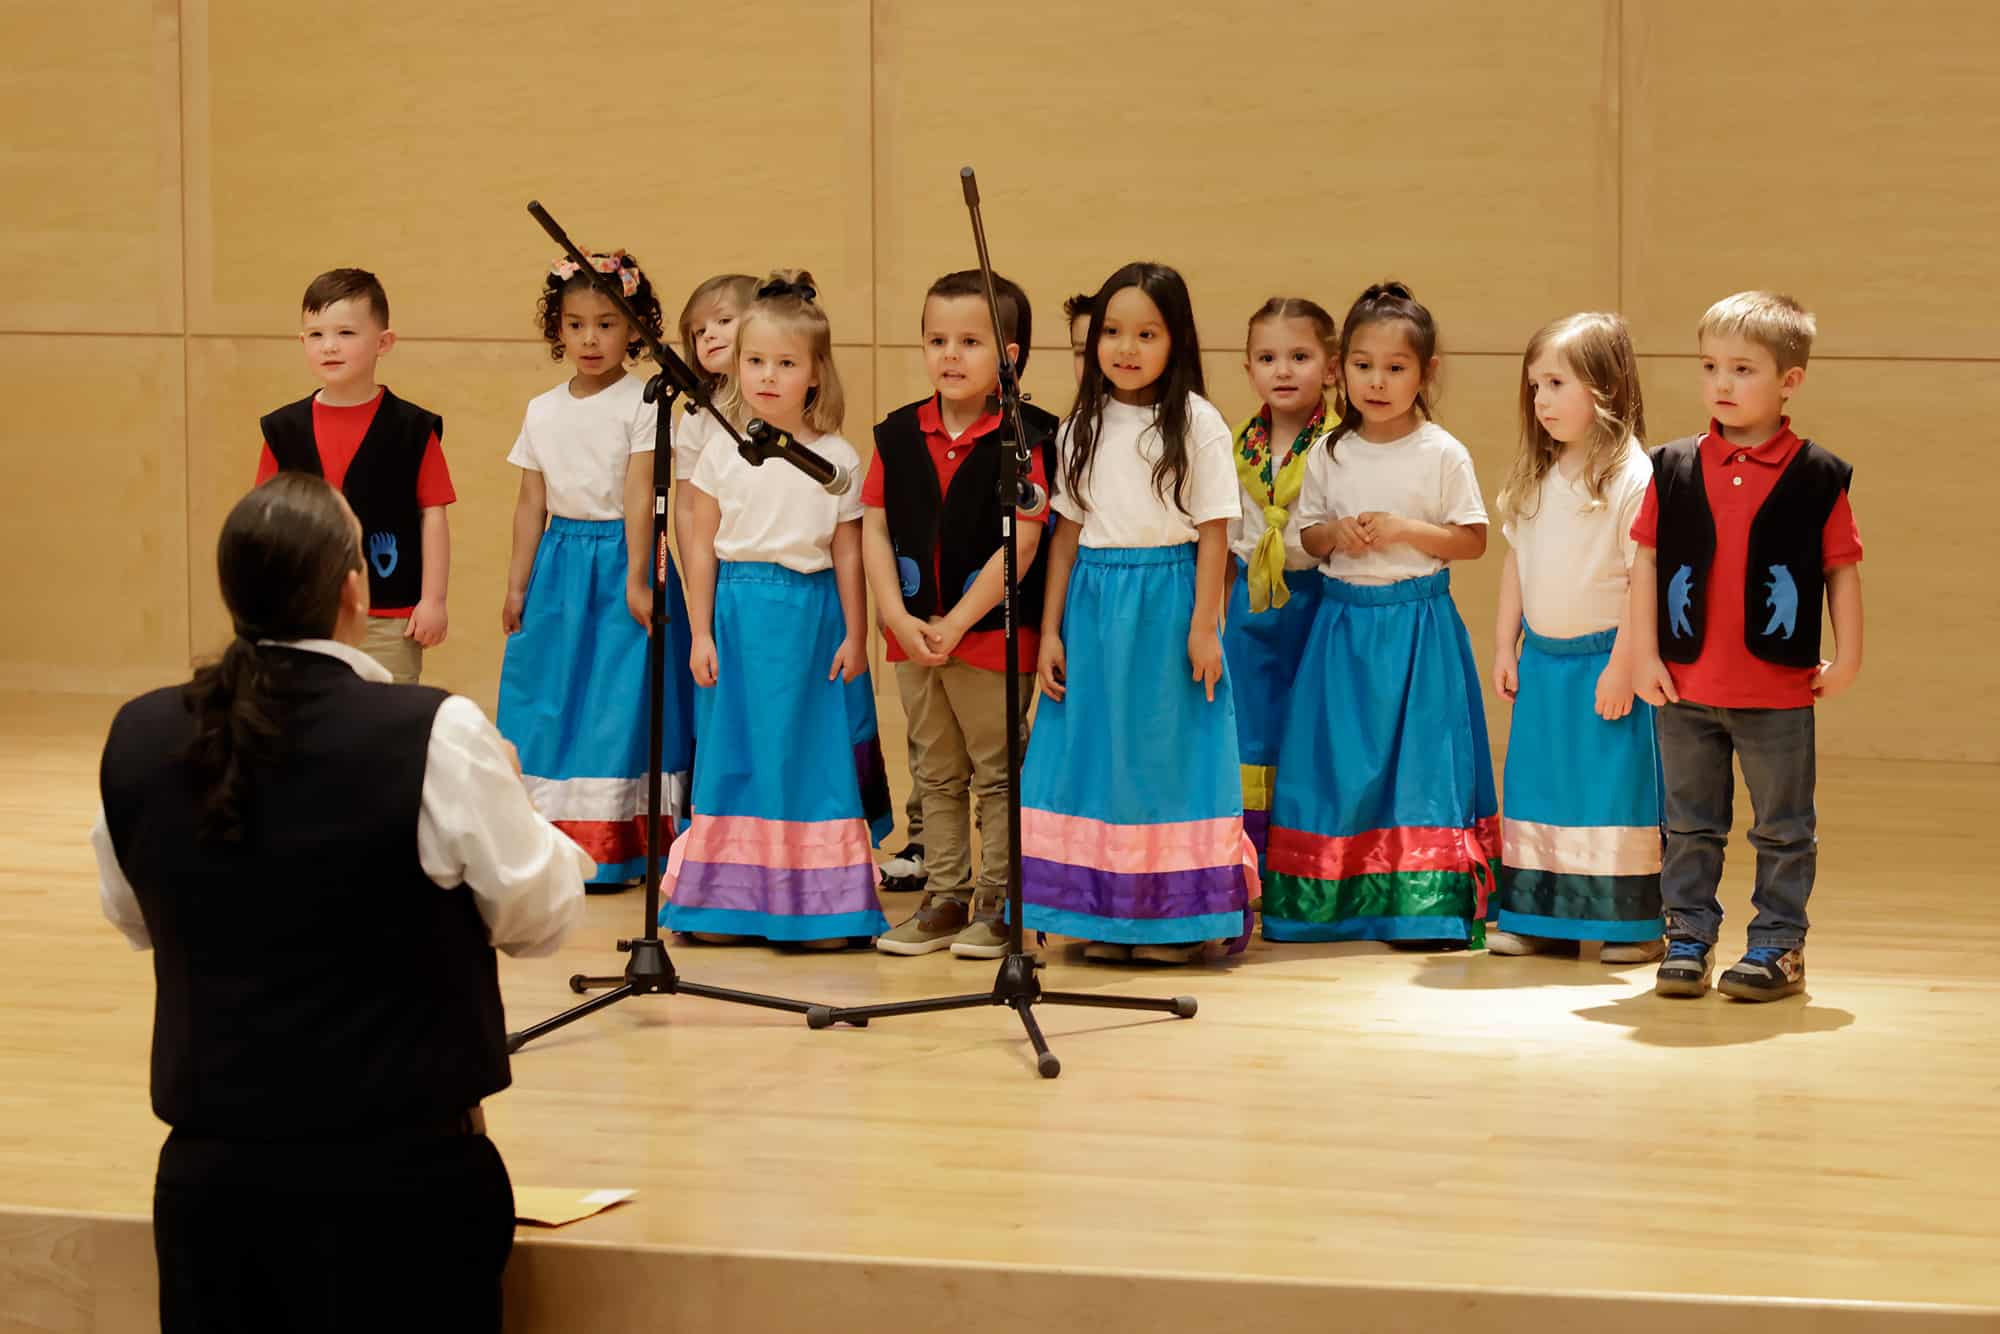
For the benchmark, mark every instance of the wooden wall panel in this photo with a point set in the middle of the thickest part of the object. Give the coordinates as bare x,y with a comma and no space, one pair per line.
1841,152
407,139
92,170
1925,689
93,552
1258,147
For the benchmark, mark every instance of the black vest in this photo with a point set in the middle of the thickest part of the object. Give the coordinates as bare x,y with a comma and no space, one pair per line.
1785,580
313,982
381,486
949,537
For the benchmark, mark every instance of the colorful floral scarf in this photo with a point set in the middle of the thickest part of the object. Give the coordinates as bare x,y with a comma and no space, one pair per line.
1277,488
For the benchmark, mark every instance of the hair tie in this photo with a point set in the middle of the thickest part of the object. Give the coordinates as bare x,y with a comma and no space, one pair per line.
616,262
1387,291
803,291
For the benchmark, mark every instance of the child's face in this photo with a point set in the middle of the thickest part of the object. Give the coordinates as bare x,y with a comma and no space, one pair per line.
594,334
1742,384
1289,367
1079,337
774,366
958,348
713,335
343,341
1384,375
1563,402
1134,347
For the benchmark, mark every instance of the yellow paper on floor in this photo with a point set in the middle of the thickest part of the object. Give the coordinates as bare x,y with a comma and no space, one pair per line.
553,1206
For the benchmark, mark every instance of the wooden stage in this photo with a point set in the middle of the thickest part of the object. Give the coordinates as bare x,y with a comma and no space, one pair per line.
1344,1139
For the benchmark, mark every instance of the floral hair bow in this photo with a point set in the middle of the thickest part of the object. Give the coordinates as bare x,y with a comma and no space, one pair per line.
628,276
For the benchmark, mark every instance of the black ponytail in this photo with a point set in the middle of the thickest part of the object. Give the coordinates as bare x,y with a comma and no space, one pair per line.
1380,304
283,558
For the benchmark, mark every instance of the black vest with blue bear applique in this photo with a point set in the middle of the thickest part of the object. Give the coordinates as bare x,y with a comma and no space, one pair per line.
1785,576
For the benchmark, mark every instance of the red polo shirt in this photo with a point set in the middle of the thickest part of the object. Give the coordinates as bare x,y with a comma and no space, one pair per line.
1738,480
337,434
979,648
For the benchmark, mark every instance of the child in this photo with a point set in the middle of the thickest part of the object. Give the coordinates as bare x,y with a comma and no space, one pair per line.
1741,530
1076,313
573,691
1132,828
1580,844
931,539
383,453
1384,820
708,325
1274,588
791,777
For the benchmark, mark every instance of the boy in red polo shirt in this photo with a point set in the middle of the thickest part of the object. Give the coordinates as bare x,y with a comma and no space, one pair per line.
1743,530
931,542
383,453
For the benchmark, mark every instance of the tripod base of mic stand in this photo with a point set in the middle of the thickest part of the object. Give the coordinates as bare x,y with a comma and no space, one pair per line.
1020,990
651,973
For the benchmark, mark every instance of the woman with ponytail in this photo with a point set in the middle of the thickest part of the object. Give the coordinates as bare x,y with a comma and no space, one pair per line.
323,863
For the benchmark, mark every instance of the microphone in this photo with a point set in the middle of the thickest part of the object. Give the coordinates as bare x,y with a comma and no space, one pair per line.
766,441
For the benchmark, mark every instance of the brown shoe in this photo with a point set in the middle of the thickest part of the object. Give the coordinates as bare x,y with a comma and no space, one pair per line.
1106,951
932,927
1183,953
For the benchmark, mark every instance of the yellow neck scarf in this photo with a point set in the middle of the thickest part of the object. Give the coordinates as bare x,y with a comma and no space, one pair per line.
1278,492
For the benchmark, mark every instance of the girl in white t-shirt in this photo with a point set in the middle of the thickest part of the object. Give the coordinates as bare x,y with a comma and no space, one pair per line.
1290,353
579,583
1384,821
790,785
708,325
1132,821
1580,844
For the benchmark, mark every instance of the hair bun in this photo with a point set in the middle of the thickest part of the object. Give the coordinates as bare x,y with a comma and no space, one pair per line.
1389,291
789,282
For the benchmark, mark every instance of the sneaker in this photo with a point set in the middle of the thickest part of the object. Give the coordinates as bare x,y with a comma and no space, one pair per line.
1512,943
1685,970
904,873
1765,972
1185,953
932,927
986,936
1632,951
1106,951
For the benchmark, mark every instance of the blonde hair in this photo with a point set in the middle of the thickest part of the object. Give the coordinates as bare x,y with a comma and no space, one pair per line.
1772,320
1298,308
789,300
738,287
1598,351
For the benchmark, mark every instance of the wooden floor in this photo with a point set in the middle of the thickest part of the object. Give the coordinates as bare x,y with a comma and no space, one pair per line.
1345,1138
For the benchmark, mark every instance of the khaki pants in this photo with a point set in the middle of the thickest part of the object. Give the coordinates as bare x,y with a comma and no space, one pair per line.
384,642
958,749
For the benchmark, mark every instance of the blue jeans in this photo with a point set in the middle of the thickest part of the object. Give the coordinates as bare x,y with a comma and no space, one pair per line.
1775,748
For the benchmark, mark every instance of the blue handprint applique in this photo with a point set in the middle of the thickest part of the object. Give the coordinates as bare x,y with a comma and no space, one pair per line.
1783,597
1680,591
382,553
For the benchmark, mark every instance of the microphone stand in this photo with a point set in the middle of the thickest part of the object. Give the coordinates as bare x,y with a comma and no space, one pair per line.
650,971
1016,986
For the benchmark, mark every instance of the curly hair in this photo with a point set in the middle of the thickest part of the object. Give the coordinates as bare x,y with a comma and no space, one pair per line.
644,302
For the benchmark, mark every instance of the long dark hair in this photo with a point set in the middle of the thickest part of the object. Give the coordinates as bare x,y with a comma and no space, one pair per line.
285,553
1383,303
1181,378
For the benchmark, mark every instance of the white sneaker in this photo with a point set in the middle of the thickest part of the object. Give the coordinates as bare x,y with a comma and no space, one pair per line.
1507,942
905,864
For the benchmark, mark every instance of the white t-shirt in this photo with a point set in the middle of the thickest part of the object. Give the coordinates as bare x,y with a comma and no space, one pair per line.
774,512
692,434
1119,507
1247,531
581,446
1425,475
1575,555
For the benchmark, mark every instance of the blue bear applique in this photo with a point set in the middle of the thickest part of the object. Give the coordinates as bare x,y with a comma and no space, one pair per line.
382,553
908,576
1783,596
1680,592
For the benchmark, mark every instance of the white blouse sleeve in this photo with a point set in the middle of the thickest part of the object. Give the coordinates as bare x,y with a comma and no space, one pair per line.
1458,488
522,455
1213,491
1064,502
114,891
1315,502
645,422
476,828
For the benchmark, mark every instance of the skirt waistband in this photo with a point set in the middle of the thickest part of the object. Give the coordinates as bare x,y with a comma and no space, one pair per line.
1180,554
769,572
1580,646
1403,590
599,528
